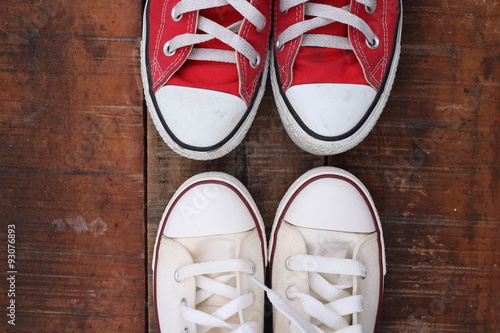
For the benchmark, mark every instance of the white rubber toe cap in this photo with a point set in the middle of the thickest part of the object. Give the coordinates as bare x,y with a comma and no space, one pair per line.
331,204
208,208
330,109
199,117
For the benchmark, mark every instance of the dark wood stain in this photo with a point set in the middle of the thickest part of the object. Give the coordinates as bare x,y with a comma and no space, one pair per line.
71,167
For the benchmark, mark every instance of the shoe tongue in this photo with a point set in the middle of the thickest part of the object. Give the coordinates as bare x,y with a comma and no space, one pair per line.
225,16
331,244
215,248
211,75
327,65
336,29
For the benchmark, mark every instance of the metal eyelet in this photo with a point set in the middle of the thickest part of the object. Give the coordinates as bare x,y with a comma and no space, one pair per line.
374,44
371,10
284,12
185,330
254,268
256,62
166,50
288,293
287,263
177,278
184,302
175,17
279,46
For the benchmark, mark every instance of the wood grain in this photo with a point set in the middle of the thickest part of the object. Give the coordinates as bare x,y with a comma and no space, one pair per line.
85,177
72,174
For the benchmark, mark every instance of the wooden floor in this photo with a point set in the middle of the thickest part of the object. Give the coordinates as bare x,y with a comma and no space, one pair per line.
84,176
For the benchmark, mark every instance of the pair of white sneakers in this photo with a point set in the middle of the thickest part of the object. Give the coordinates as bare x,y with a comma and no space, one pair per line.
325,264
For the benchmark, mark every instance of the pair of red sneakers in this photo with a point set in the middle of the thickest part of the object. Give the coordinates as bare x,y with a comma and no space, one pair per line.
205,64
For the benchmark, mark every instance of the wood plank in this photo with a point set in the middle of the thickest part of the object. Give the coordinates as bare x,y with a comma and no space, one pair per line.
431,164
72,175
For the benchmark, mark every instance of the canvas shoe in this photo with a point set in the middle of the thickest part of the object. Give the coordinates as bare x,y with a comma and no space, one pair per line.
204,67
210,245
333,68
326,256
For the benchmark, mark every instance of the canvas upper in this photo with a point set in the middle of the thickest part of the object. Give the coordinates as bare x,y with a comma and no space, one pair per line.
210,245
326,256
203,69
332,81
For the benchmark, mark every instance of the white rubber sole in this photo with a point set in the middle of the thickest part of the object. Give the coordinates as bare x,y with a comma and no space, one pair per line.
318,172
319,147
234,141
211,176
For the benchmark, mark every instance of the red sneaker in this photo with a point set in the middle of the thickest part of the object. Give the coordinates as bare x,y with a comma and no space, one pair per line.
204,66
334,66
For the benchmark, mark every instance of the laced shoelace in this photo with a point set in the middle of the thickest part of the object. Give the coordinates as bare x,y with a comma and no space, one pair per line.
321,16
208,287
337,301
211,29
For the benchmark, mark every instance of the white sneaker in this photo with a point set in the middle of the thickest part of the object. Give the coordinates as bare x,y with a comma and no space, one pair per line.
326,256
210,245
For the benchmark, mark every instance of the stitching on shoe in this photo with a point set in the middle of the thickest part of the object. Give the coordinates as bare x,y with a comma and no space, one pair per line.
361,52
180,58
287,65
386,39
289,54
244,91
160,34
154,66
384,59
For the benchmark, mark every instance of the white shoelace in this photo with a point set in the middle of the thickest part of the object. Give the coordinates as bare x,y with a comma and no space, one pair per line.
338,302
323,15
227,35
217,286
